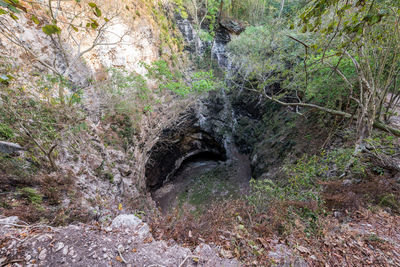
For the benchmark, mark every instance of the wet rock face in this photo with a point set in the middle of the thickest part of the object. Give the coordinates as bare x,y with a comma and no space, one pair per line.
222,38
218,46
233,26
193,41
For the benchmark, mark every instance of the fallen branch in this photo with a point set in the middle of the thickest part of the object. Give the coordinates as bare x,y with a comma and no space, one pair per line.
386,128
12,261
122,258
377,124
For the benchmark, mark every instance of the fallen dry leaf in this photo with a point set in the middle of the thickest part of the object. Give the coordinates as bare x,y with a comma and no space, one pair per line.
303,249
118,258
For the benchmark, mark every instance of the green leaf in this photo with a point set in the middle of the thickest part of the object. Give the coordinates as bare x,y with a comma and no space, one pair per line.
13,7
2,11
97,12
74,28
35,20
51,29
93,5
95,24
13,16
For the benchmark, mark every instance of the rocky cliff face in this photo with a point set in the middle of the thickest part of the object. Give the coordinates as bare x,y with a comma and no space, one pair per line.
103,176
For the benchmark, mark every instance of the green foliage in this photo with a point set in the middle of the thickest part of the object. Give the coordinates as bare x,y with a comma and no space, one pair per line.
302,185
125,90
264,54
180,8
32,195
353,15
382,143
11,6
202,12
263,192
258,12
324,86
389,200
200,82
37,123
125,98
109,176
51,29
6,132
206,188
49,84
170,39
203,81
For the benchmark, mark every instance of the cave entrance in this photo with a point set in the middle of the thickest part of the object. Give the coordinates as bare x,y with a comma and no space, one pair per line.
197,161
172,151
192,168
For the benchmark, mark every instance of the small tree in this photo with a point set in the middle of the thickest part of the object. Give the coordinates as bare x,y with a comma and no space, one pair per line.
74,27
367,33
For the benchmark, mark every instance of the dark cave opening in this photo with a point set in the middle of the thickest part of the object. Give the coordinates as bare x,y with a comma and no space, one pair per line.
167,158
198,160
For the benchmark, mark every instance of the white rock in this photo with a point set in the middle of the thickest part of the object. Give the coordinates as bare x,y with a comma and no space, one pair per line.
9,220
125,220
7,147
58,246
65,250
42,254
143,232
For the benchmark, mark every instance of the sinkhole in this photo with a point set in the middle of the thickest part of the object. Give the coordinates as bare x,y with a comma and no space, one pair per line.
192,169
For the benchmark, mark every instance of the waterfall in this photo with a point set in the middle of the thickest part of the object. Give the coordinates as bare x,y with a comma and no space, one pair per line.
218,49
195,44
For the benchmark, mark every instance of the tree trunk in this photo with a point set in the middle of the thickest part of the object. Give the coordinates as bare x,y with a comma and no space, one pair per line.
282,6
61,93
365,122
221,7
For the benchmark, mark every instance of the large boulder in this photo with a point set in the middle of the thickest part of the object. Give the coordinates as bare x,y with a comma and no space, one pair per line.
234,27
125,220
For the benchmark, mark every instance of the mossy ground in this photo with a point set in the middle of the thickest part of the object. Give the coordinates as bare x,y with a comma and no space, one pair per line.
208,188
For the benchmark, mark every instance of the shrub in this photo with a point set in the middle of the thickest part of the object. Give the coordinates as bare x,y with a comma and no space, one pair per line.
6,132
300,194
264,54
31,194
199,82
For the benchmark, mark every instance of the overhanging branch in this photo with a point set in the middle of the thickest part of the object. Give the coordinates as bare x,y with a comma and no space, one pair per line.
377,124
